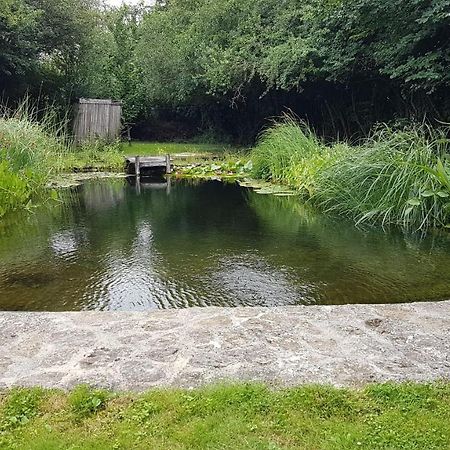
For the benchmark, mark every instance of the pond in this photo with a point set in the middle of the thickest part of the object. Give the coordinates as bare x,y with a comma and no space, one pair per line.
112,245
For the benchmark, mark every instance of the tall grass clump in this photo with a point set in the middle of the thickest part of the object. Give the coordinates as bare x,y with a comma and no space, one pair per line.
29,152
399,177
290,153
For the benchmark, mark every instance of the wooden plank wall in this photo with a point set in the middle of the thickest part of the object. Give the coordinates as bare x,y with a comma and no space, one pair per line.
97,119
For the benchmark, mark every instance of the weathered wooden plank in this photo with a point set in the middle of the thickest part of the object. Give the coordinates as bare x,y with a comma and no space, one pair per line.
148,162
137,166
97,119
132,159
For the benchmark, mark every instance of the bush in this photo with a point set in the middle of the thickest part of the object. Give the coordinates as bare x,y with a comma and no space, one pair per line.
291,153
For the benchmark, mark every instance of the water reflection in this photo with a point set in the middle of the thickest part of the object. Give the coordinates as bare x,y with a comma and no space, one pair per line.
116,245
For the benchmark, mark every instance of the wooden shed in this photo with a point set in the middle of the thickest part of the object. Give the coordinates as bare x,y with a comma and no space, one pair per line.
97,119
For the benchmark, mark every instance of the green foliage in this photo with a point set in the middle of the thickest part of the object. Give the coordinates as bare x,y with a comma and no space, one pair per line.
347,63
244,416
406,41
15,190
41,45
85,401
228,65
290,153
94,156
199,51
394,177
391,179
17,22
20,406
29,152
231,167
109,67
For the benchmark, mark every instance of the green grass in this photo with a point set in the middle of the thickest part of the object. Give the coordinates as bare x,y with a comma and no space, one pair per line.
98,156
245,416
94,157
163,148
29,152
399,177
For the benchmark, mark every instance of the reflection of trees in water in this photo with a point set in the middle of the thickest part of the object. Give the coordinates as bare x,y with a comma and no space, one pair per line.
206,244
383,262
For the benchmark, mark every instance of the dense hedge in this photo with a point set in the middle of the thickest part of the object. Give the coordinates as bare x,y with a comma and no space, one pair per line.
229,65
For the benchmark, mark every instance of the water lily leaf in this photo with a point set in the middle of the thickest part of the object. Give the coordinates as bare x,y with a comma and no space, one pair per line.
256,184
274,189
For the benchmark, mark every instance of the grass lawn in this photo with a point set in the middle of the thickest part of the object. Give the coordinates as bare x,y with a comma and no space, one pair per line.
112,157
163,148
245,416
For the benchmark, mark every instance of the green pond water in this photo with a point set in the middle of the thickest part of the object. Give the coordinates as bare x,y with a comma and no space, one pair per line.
113,246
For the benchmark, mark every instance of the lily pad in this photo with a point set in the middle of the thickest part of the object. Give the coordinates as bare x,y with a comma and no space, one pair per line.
286,194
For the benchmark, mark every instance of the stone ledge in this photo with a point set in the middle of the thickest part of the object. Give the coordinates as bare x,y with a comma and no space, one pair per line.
347,345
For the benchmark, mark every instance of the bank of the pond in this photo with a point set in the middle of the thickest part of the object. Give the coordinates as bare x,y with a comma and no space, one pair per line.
33,153
237,416
36,155
344,345
395,176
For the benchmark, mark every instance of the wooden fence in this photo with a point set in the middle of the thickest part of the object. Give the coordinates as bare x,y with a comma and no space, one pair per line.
97,119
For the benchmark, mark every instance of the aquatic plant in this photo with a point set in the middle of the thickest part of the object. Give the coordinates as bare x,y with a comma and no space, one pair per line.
228,167
289,152
393,177
34,145
29,151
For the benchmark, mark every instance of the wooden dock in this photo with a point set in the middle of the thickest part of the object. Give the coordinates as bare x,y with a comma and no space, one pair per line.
148,165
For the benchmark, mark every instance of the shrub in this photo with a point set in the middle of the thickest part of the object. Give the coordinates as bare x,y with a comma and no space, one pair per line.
290,153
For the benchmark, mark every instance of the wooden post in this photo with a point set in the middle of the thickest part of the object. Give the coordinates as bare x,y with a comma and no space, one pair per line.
137,165
138,185
168,166
169,185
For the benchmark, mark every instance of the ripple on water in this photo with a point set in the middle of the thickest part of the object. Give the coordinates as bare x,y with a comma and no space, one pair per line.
110,247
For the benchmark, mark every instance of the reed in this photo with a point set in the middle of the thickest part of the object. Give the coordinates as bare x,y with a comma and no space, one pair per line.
30,150
395,176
